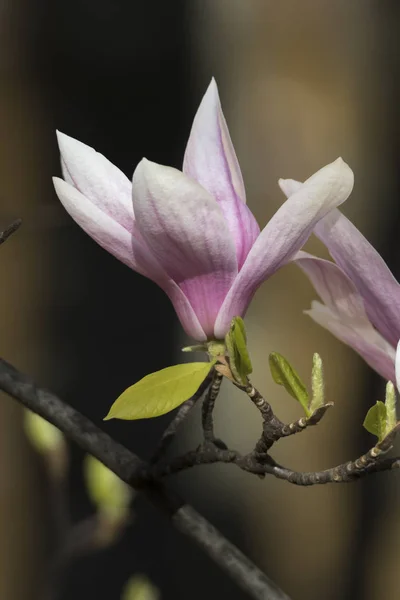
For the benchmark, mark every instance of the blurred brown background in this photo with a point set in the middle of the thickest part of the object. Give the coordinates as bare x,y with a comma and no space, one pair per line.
300,84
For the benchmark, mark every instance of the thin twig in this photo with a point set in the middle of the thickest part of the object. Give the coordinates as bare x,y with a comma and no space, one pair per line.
273,428
170,432
304,422
131,469
4,235
369,463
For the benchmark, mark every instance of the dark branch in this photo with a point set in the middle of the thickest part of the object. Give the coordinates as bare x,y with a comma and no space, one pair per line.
208,407
4,235
131,469
263,464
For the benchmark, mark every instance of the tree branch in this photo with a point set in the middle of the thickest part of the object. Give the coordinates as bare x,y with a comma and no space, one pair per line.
4,235
264,464
207,420
132,470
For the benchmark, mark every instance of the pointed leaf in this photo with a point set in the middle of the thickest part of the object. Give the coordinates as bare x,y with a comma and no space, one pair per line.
284,374
236,342
375,421
317,384
390,403
160,392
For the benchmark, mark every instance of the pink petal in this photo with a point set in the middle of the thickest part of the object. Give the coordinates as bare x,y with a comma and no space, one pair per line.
375,354
363,264
368,271
97,178
117,240
285,234
187,233
210,160
344,313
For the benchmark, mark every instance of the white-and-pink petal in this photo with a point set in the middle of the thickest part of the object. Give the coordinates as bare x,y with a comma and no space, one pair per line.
367,269
117,240
376,356
345,316
97,179
187,233
210,160
285,234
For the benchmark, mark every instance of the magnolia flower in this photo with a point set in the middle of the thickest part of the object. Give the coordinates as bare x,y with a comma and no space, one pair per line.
191,231
361,298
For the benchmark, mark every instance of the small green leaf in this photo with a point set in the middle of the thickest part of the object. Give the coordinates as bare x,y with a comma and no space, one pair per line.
390,403
375,421
236,343
284,374
160,392
317,384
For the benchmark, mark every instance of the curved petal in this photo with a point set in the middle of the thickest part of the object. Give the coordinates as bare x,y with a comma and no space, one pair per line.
333,286
368,271
372,350
107,232
285,234
97,178
210,159
344,312
187,233
289,186
363,264
114,238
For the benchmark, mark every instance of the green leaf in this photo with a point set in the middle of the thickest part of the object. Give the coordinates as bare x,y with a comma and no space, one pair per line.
317,384
375,421
390,403
284,374
139,587
108,492
160,392
236,343
43,436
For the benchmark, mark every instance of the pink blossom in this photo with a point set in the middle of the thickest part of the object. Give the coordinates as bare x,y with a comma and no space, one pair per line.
361,298
191,231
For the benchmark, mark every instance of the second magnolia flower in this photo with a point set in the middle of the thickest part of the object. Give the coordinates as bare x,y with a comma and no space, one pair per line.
191,232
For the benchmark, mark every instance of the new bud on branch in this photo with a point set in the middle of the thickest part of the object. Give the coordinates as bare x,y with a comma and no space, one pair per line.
191,231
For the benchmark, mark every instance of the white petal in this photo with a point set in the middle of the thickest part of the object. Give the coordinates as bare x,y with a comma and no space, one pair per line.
97,179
